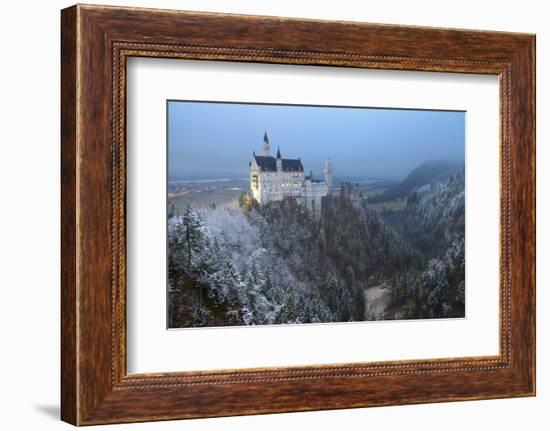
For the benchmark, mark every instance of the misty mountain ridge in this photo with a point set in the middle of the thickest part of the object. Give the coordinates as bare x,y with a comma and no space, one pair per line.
428,172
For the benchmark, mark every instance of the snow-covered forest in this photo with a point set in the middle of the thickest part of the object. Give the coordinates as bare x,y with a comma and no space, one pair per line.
251,265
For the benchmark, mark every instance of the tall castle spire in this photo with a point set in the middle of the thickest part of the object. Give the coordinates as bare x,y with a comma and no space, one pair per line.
328,175
267,147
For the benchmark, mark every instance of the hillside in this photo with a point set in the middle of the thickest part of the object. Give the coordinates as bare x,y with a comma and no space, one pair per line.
428,172
253,265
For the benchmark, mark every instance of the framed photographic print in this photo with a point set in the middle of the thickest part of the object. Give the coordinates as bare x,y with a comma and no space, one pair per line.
319,214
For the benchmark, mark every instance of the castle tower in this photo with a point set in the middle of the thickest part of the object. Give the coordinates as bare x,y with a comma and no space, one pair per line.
279,161
267,147
328,175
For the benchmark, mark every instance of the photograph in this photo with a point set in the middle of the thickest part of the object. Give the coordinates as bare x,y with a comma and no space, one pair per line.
297,214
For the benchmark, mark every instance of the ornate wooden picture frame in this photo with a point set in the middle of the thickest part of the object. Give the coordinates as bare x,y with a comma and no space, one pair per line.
96,41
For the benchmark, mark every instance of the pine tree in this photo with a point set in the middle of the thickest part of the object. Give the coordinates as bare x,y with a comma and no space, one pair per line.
171,210
436,283
188,240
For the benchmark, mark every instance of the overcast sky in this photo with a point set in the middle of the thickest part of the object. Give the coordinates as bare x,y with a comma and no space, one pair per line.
217,139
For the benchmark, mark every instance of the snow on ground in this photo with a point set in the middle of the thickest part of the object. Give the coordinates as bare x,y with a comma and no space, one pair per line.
377,298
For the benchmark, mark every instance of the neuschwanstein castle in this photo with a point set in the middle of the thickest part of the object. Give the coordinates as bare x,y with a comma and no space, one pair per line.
274,178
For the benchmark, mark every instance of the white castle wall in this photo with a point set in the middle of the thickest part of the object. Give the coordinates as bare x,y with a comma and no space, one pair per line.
275,186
